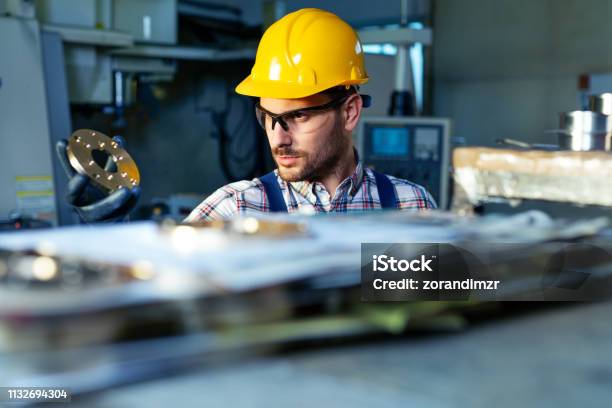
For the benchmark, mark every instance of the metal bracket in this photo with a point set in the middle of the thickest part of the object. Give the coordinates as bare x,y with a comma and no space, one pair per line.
80,150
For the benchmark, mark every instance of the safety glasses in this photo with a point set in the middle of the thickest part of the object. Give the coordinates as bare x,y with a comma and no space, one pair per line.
295,118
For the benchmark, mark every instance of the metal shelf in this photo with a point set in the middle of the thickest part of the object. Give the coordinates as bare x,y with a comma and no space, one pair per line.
185,53
397,36
89,36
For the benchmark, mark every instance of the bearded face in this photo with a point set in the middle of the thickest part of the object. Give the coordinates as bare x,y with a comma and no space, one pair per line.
316,154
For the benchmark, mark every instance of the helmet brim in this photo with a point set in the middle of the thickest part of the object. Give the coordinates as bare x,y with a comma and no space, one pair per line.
270,89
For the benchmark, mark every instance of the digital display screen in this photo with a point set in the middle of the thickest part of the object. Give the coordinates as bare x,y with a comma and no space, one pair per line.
390,141
427,143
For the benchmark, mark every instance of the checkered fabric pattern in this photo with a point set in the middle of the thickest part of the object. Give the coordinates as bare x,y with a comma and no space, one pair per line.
356,193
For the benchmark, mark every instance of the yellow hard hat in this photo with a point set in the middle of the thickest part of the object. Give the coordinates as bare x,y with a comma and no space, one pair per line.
304,53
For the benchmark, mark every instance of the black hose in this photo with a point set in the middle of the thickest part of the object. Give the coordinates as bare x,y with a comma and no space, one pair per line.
226,157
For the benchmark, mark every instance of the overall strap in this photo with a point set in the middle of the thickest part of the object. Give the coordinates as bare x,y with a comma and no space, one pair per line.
273,193
386,191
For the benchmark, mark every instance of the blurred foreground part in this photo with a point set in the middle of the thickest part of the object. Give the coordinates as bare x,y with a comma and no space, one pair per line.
488,174
93,308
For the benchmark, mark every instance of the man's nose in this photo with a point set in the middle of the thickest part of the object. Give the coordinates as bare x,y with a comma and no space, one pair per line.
279,137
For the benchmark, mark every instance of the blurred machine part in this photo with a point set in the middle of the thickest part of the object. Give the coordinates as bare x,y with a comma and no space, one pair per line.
579,130
488,175
272,10
585,131
234,283
210,11
17,8
153,21
601,103
145,20
573,172
26,169
91,28
19,222
413,148
110,43
401,144
175,207
403,101
218,25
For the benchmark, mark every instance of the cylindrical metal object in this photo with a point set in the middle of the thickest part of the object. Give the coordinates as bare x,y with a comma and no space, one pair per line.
402,99
402,104
601,103
403,69
585,130
119,90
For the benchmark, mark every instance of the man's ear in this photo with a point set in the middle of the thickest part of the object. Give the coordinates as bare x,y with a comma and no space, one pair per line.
351,112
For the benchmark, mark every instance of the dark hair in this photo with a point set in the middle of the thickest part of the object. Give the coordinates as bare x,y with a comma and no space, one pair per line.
338,92
341,90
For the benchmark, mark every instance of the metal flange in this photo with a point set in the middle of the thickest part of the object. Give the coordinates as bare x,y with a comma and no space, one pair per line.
80,150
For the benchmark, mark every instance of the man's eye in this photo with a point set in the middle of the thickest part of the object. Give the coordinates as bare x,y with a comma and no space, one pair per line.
300,116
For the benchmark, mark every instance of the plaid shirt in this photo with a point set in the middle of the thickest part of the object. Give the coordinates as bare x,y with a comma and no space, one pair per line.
356,193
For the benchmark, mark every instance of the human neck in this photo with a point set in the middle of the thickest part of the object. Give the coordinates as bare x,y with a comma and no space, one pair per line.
346,166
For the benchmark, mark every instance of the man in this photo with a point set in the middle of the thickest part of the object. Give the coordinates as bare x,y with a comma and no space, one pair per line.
308,67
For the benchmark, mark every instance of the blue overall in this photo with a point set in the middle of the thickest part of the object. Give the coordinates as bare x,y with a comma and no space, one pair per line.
386,192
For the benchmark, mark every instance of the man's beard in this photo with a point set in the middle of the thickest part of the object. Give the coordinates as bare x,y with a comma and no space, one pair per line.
317,164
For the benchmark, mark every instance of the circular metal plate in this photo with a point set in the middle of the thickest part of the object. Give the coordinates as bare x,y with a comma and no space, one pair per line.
80,150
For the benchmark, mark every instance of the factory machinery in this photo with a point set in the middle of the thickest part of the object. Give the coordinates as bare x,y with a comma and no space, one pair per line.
97,307
60,56
89,55
94,307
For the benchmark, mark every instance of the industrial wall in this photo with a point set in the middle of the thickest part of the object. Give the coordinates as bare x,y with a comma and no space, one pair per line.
506,68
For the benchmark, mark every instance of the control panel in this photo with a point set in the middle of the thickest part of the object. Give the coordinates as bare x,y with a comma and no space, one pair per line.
413,148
